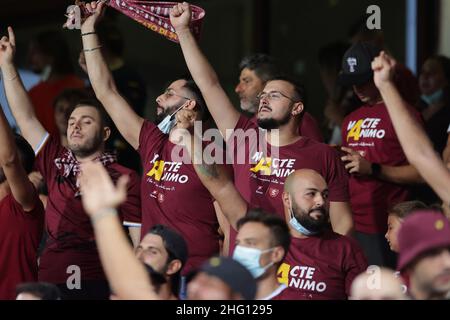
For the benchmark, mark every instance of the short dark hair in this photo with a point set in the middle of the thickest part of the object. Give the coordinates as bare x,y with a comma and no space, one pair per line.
299,89
73,96
277,226
404,209
94,103
192,87
262,64
42,290
164,232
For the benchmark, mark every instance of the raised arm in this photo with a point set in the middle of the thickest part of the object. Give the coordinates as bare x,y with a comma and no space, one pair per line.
126,275
125,119
21,187
18,99
218,182
219,105
416,145
214,176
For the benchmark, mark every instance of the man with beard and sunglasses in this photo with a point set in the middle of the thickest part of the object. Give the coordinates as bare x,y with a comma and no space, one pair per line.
261,175
172,194
70,258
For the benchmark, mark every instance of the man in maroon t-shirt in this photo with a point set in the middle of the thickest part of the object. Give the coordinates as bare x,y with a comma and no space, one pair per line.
21,212
172,194
262,242
320,264
259,175
70,258
255,71
373,156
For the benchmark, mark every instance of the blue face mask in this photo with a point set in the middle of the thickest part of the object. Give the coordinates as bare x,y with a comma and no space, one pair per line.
249,258
168,122
434,97
297,226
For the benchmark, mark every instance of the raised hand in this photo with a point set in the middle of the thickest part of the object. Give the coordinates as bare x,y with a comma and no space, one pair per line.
98,190
383,69
185,118
7,48
180,16
91,13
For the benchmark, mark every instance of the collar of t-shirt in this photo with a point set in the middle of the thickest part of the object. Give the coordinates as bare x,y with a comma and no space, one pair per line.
274,293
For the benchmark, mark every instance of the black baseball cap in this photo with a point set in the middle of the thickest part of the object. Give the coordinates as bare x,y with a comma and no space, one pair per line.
235,275
173,242
357,64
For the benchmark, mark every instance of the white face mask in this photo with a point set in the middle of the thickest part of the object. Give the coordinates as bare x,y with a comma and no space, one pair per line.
249,258
169,122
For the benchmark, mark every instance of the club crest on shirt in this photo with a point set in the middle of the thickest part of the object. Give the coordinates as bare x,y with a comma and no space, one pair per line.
273,192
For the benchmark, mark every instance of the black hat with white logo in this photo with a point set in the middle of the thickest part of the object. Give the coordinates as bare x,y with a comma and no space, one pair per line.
357,64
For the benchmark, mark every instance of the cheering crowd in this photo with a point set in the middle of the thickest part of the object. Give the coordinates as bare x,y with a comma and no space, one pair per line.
219,202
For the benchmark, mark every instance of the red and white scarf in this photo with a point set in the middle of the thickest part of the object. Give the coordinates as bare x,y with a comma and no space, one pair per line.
69,167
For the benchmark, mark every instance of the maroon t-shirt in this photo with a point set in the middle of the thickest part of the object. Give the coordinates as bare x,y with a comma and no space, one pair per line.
173,195
310,128
20,234
321,267
71,238
369,131
260,179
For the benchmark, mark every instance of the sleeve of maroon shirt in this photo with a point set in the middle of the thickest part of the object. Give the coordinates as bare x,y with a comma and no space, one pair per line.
355,263
337,177
149,137
131,208
310,128
46,156
36,214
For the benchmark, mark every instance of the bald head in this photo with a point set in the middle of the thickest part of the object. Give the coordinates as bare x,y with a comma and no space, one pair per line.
377,284
304,178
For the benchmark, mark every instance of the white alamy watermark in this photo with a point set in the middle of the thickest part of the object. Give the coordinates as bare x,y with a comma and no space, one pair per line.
73,14
374,20
74,280
208,147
